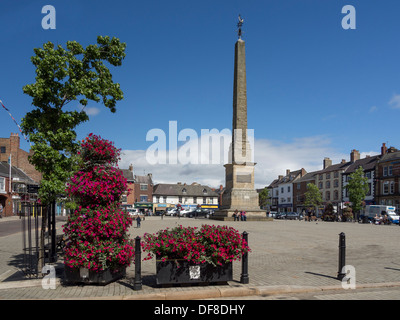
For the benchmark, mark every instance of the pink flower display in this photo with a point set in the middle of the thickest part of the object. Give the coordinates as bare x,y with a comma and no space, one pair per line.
209,244
97,229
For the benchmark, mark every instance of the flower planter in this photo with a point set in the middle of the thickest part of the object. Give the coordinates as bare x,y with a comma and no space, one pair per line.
179,271
85,276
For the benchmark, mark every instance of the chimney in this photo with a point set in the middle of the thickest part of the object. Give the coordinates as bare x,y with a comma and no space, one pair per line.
280,177
131,167
354,155
383,149
287,172
327,162
343,161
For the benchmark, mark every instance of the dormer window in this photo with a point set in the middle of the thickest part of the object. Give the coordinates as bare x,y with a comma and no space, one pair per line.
205,191
184,190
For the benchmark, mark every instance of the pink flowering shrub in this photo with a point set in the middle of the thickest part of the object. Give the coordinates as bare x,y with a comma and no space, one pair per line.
209,244
97,229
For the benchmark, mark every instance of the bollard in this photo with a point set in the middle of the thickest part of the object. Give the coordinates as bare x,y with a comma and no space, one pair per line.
342,255
137,285
244,277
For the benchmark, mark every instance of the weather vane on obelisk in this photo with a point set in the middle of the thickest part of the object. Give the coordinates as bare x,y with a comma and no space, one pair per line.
240,23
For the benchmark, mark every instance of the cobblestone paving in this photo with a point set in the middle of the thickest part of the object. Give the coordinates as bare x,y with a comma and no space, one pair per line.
295,253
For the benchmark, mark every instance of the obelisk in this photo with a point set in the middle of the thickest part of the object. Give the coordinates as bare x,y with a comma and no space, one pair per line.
239,193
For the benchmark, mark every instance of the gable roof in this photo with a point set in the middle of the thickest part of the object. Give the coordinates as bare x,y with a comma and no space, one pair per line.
193,190
367,164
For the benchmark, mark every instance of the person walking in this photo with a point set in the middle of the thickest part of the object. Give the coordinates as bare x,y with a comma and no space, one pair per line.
1,211
138,220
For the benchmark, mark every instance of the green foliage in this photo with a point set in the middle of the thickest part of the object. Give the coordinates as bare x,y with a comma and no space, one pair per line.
313,197
63,76
357,189
263,196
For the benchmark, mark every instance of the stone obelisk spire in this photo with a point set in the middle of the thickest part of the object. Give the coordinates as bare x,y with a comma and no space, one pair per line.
239,193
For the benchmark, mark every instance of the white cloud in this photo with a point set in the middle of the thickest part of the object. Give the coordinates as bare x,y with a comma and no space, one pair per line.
272,158
90,111
395,101
373,109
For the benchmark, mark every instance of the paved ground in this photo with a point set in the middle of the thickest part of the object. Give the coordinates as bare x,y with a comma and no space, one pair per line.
288,258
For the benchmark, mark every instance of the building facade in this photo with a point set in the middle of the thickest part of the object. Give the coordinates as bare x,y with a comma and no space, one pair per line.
188,196
388,177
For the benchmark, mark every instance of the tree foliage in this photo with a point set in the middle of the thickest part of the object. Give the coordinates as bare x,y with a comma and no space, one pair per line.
313,197
263,197
74,74
357,189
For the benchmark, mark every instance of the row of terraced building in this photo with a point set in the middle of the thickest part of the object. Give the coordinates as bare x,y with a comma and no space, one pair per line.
287,192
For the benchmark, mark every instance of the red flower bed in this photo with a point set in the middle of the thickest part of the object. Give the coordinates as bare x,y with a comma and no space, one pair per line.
209,244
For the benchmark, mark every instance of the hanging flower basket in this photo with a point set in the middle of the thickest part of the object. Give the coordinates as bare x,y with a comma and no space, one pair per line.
191,255
97,250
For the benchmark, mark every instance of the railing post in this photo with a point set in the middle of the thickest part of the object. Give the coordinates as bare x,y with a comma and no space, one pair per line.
244,277
342,255
137,285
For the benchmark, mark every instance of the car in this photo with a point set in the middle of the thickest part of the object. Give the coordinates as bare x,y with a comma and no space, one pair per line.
280,215
272,214
199,213
133,211
293,216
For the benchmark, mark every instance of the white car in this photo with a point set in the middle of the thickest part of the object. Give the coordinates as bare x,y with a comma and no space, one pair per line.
133,212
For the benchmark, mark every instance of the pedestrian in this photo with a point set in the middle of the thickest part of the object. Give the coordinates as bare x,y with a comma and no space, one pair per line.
236,215
138,220
1,211
309,215
244,217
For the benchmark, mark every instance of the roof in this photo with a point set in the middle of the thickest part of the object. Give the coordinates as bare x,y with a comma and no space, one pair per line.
335,167
367,164
193,190
307,177
292,176
128,174
143,179
390,156
15,173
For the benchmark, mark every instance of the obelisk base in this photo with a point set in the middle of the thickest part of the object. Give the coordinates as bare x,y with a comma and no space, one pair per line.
227,215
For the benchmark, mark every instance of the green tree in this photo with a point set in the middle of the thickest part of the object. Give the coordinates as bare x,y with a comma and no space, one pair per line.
64,76
263,197
74,74
313,197
357,189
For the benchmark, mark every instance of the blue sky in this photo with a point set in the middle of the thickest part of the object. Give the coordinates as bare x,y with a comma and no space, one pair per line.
314,90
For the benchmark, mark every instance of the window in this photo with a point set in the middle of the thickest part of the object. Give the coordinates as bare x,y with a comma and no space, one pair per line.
157,199
288,189
2,184
282,190
369,189
180,199
336,183
320,177
184,190
336,174
195,200
298,186
143,186
390,170
289,200
143,198
2,149
320,185
328,175
386,187
392,187
385,171
204,191
368,174
328,184
336,195
204,200
327,196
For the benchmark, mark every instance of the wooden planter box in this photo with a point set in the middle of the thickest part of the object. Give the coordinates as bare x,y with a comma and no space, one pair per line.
85,276
177,271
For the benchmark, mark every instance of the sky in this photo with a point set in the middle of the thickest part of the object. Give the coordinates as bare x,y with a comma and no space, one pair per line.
314,88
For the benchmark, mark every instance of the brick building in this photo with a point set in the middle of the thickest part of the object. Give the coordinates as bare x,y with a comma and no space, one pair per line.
387,172
19,157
